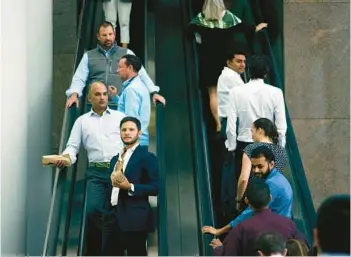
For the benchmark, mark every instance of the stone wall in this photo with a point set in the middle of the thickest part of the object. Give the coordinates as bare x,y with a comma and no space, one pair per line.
317,82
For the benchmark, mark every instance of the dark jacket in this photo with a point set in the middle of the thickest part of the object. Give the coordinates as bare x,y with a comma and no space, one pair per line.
134,212
241,239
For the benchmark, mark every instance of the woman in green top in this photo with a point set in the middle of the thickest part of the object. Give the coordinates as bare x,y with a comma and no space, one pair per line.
214,29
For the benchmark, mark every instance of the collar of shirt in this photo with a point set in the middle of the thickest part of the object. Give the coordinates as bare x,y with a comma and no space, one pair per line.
229,70
272,173
256,81
109,51
131,150
126,83
108,111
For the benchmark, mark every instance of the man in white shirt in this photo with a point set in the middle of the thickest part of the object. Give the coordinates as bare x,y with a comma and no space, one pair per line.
253,101
229,78
134,176
99,132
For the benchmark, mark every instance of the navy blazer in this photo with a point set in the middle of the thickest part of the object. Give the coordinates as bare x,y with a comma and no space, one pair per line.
134,212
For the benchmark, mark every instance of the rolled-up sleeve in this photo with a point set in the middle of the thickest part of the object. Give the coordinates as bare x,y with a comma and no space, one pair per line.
247,213
74,141
80,78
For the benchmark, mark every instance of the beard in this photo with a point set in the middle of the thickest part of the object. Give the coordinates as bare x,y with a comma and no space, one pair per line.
133,141
262,175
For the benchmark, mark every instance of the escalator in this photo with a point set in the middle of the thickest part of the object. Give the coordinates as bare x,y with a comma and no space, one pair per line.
185,196
65,233
303,209
182,146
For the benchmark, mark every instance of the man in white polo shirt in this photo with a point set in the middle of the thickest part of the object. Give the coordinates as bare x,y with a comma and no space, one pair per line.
229,78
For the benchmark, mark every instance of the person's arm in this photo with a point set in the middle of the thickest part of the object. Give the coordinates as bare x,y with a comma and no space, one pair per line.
74,141
225,83
218,251
244,177
80,78
151,186
222,91
247,213
280,118
145,78
115,99
231,122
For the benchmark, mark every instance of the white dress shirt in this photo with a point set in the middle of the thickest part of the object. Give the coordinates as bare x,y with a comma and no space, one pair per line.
115,190
226,81
253,101
100,136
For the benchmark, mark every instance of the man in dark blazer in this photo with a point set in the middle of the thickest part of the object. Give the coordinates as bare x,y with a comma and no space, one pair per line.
134,177
241,239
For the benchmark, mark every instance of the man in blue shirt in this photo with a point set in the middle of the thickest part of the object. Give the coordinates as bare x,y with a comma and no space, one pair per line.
134,100
262,161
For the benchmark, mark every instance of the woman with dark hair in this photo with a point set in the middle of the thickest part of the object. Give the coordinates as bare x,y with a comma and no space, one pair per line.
264,132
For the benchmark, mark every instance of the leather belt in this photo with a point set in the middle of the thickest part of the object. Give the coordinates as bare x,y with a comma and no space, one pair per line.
99,164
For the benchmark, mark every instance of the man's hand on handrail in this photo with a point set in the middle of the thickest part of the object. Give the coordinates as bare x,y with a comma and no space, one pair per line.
158,98
73,99
261,26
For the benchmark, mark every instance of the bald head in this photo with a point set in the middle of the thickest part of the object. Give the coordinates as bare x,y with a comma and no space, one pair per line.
96,85
98,96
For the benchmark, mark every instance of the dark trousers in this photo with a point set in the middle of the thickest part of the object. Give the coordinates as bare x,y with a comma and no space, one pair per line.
239,152
116,242
231,171
228,189
98,193
224,128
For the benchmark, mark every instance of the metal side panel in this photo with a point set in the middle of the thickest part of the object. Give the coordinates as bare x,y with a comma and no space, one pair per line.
181,235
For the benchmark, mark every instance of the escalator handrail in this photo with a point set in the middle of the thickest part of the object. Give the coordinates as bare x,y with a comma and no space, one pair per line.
199,136
162,198
70,115
293,150
297,166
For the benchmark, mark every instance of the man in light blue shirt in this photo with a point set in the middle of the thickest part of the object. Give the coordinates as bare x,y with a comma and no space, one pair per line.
262,161
134,100
100,64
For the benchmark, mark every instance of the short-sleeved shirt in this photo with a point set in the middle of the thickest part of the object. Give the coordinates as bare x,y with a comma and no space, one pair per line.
278,151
